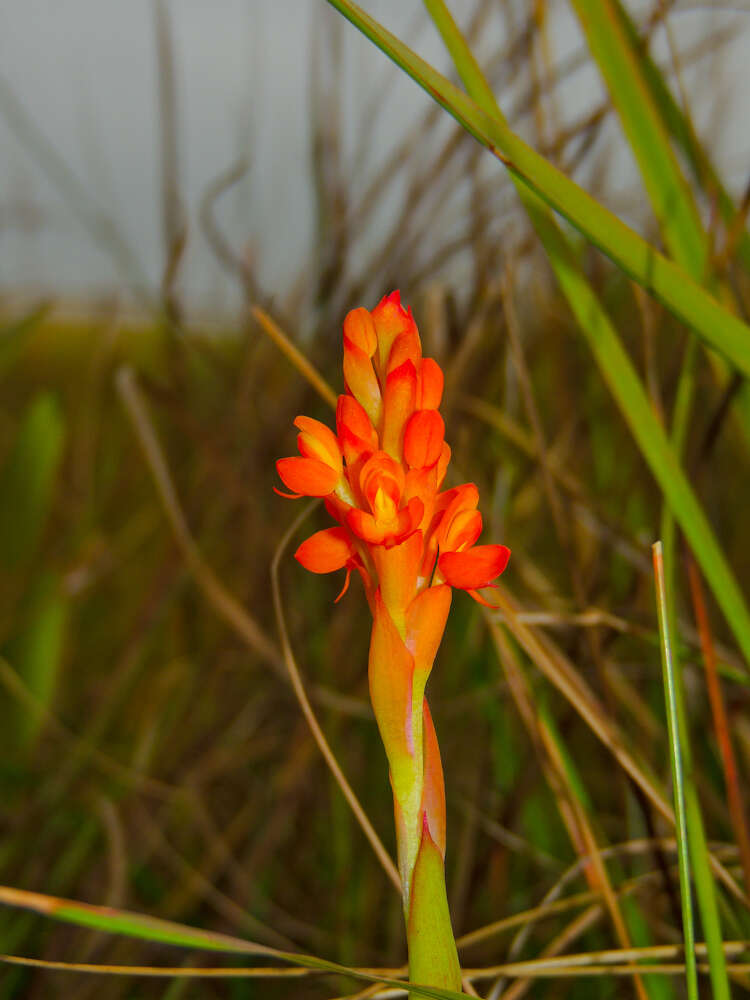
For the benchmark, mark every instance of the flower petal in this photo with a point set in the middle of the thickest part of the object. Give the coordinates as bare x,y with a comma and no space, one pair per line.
391,319
378,532
430,388
449,503
425,624
398,406
361,380
307,476
406,347
481,600
362,524
463,531
326,551
318,441
346,585
474,568
442,466
357,437
433,794
397,567
359,327
382,473
390,676
423,439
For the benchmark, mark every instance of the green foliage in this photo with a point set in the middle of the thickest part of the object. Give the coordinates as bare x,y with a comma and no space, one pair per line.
27,480
35,651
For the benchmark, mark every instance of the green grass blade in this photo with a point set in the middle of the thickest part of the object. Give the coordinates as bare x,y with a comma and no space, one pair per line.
631,93
643,263
36,651
146,928
670,196
691,840
15,931
27,480
658,988
612,359
675,742
680,127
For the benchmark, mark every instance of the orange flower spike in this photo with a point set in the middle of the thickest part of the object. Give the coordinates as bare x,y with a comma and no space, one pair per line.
380,474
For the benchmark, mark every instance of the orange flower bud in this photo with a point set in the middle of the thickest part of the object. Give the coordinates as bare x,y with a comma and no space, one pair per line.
423,439
359,328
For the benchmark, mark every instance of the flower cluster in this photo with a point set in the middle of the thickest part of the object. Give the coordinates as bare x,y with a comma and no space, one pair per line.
381,473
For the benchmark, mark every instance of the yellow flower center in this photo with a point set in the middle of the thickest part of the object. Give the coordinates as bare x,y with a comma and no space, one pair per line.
383,506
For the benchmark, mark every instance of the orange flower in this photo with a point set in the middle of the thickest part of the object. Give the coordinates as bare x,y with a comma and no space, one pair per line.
320,467
382,470
381,475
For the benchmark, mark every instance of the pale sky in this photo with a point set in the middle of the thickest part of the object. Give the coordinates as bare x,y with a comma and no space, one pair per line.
84,72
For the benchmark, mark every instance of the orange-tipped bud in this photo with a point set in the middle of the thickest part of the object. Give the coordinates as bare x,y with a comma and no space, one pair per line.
391,320
400,396
423,439
359,328
430,385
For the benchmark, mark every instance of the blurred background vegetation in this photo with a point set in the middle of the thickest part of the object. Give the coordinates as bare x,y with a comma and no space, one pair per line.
154,755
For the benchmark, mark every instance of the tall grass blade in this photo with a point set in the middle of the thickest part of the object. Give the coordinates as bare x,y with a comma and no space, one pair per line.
36,651
631,94
670,196
146,928
27,480
642,262
681,129
678,778
582,810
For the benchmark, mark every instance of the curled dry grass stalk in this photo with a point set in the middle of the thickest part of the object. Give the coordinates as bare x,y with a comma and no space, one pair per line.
162,761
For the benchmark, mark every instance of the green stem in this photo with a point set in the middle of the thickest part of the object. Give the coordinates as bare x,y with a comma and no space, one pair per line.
399,664
433,958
